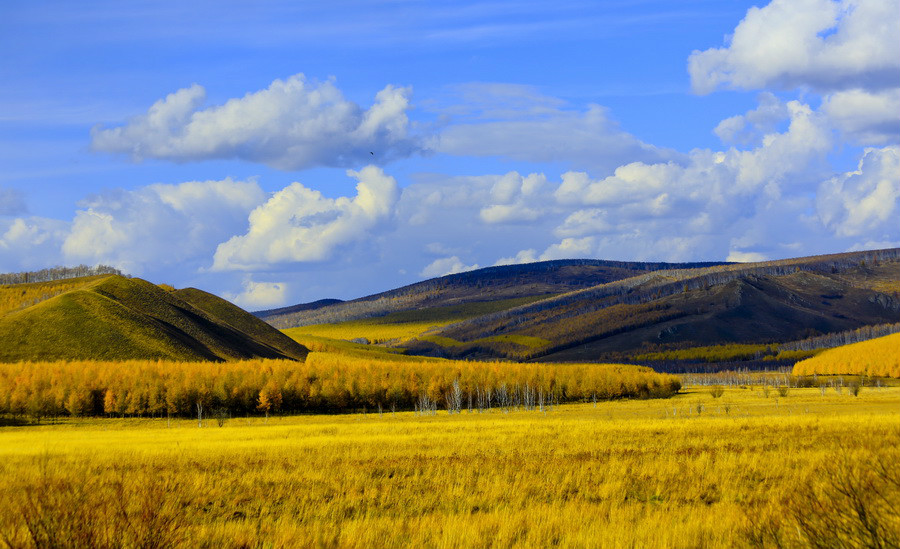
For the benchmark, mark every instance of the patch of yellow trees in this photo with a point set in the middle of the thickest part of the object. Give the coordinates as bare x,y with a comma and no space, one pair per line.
325,382
878,357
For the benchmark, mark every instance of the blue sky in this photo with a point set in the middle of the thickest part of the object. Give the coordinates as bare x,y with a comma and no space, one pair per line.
278,152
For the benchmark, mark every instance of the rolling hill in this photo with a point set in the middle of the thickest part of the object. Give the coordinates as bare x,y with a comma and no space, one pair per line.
876,357
112,317
491,284
588,311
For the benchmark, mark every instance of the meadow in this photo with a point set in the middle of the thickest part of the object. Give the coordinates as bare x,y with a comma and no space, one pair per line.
729,468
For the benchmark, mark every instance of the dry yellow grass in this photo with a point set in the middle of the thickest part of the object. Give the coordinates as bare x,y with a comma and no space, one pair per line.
692,471
374,332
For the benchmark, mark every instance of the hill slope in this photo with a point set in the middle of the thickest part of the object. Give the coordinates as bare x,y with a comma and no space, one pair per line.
748,303
875,357
583,310
118,318
506,282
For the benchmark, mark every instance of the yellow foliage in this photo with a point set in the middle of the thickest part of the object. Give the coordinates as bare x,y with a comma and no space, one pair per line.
715,353
879,357
325,382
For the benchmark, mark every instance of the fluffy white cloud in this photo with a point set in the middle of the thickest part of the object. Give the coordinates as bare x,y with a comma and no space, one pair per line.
30,243
570,248
159,225
738,202
258,295
709,181
749,128
584,222
846,50
523,256
290,125
299,224
864,117
517,123
746,257
446,266
825,44
866,202
515,199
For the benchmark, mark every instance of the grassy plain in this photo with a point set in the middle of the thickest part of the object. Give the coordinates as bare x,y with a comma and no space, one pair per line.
401,326
690,471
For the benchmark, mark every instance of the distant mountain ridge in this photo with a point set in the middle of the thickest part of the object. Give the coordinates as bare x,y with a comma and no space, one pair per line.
591,310
117,318
487,284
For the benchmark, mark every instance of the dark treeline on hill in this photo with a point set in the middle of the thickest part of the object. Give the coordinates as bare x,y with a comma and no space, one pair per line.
543,278
57,273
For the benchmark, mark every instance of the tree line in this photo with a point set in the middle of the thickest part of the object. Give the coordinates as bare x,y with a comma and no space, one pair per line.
324,383
57,273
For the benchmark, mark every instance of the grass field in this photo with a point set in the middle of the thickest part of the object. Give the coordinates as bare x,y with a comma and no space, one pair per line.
400,326
690,471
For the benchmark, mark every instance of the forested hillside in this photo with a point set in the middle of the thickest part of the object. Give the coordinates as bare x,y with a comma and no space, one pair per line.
543,278
835,297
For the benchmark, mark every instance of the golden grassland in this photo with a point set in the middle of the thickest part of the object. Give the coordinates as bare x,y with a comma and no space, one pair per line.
875,357
691,471
404,325
529,342
372,331
18,296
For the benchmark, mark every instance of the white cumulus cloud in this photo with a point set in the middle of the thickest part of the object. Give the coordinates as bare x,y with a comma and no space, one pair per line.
160,224
258,295
866,202
749,128
864,117
290,125
30,243
515,199
823,44
299,224
445,266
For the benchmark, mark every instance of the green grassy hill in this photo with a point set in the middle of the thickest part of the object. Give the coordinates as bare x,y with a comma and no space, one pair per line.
118,318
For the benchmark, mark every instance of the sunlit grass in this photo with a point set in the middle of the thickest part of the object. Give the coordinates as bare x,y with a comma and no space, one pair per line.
688,471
